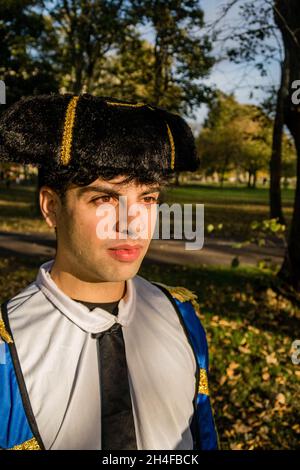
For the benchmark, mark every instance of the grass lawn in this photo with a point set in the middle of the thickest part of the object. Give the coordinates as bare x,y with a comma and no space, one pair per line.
234,207
254,385
17,210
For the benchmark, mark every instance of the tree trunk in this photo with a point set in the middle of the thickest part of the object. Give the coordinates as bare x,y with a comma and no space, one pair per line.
254,180
177,181
249,179
290,270
275,163
222,179
77,85
287,17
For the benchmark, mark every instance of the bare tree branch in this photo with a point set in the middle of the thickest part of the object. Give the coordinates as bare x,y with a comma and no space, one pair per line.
288,29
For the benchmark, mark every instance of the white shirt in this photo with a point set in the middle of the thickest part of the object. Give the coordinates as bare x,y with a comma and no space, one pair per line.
58,358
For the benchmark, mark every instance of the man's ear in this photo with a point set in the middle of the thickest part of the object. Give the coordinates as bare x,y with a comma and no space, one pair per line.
49,203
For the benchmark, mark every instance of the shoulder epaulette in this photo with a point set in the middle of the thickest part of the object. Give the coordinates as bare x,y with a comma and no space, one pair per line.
184,295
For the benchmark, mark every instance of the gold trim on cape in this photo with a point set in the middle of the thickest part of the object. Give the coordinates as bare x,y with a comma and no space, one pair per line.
4,333
203,383
31,444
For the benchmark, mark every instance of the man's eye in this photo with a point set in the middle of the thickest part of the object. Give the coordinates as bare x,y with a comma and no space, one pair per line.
150,199
102,199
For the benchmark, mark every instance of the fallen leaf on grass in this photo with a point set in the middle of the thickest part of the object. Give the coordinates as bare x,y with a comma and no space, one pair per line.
280,399
271,359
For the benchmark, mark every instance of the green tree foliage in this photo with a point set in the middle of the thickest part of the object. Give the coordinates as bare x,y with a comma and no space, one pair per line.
23,52
180,52
237,137
128,72
84,33
154,51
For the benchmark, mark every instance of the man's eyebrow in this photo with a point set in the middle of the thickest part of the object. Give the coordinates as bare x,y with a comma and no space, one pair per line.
155,189
97,189
111,192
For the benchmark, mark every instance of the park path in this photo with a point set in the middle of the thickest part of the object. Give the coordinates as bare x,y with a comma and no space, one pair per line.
214,252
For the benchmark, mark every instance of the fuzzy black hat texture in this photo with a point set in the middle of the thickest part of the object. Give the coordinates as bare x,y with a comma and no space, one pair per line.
59,131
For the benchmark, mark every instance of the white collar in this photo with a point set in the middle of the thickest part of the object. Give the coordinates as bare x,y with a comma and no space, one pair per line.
93,321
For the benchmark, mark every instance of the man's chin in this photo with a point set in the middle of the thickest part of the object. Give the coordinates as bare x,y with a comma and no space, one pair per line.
121,271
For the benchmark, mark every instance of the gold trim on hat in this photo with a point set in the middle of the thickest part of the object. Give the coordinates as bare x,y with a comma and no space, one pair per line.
172,144
66,145
130,105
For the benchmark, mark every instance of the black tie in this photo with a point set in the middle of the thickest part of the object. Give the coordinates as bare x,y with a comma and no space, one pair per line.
118,431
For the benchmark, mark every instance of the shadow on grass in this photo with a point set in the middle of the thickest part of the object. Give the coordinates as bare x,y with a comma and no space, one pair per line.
17,193
242,293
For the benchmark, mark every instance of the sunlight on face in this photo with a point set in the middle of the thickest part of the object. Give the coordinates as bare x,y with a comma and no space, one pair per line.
131,224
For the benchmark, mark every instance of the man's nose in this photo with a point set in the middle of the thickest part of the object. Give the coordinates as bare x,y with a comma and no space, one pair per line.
124,219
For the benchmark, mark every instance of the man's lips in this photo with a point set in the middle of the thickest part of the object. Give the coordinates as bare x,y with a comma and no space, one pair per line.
125,252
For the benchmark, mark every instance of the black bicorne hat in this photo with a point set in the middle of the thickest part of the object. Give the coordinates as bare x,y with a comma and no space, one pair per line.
61,131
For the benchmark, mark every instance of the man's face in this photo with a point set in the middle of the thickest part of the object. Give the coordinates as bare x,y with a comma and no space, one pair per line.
91,228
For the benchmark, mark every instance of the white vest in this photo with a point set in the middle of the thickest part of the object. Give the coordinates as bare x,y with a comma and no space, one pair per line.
58,359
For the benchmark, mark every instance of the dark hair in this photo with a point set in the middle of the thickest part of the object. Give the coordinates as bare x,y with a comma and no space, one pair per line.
60,182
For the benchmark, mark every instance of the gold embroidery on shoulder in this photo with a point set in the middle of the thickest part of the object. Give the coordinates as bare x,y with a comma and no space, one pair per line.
4,333
184,295
203,384
32,444
66,145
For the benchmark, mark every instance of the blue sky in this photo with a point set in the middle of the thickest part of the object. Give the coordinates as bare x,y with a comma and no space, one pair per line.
230,77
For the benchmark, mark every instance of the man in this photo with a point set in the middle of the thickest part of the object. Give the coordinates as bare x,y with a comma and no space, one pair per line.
97,357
